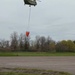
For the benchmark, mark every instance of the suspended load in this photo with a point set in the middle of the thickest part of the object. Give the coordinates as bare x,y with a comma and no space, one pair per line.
30,2
27,34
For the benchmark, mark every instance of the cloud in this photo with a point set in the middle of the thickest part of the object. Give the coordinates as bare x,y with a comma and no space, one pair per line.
54,18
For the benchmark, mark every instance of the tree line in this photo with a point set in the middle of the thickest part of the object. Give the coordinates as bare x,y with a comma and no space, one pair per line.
39,44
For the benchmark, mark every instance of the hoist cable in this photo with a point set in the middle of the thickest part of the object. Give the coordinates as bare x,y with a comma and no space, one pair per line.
29,18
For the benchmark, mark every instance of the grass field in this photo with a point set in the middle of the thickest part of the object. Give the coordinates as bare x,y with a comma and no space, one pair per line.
17,71
36,54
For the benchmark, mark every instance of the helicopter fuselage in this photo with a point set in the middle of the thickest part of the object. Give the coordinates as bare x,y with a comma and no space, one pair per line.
30,2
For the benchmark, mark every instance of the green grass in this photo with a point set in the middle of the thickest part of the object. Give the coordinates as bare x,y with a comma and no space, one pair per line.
14,73
36,54
19,71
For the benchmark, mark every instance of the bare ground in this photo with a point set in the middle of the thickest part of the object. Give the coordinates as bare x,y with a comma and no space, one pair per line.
66,64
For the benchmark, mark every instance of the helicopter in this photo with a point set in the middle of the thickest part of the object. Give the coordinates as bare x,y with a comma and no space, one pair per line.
30,2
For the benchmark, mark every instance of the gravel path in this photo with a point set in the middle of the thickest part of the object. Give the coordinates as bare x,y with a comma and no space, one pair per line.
62,63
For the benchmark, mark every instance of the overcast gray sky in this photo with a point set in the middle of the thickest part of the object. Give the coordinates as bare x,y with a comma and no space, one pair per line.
54,18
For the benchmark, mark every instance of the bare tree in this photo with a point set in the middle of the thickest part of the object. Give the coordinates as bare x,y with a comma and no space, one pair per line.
48,41
2,43
50,44
14,40
37,42
21,43
26,43
42,43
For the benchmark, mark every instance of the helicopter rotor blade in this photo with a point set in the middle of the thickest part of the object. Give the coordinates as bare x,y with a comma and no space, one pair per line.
39,0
